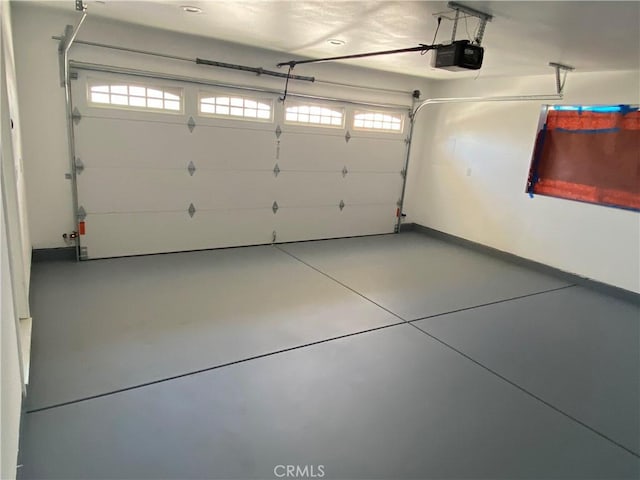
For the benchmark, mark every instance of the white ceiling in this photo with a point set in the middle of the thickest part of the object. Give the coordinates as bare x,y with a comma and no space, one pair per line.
522,38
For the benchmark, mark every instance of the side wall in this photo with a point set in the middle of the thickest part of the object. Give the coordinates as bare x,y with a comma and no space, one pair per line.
42,98
11,386
470,179
12,273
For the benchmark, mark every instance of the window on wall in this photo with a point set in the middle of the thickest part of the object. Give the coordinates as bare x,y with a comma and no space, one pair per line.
318,115
236,106
380,121
589,154
123,95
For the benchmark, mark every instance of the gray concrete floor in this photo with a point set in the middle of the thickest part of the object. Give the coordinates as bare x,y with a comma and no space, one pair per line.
390,357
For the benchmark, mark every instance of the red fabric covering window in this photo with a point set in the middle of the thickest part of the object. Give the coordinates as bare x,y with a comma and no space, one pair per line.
590,156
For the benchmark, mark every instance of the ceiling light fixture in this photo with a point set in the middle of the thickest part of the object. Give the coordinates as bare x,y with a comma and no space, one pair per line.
336,42
191,9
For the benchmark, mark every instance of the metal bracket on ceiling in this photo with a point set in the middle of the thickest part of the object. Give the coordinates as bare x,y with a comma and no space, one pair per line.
462,12
561,81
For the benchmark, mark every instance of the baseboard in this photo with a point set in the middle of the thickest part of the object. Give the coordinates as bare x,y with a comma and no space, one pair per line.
53,254
612,290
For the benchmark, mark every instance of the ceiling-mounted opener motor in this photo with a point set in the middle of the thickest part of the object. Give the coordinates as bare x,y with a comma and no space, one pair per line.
462,55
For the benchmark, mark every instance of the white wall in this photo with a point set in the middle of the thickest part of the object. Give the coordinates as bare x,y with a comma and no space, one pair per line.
470,179
11,387
12,273
13,175
42,99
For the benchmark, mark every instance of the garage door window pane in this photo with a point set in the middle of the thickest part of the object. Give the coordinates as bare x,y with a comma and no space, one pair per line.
380,121
137,91
119,100
99,97
137,101
153,93
121,95
239,107
315,115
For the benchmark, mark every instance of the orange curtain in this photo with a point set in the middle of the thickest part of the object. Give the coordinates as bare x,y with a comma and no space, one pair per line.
589,156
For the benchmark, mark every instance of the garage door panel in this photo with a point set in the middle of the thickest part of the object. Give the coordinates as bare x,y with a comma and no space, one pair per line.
380,155
323,152
295,224
329,188
104,142
228,148
171,146
306,189
312,152
379,188
162,190
136,234
235,190
137,190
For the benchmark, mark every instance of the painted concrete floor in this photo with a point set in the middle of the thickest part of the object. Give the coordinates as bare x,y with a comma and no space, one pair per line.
387,357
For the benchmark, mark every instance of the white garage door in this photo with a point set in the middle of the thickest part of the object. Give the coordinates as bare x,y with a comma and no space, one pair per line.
165,166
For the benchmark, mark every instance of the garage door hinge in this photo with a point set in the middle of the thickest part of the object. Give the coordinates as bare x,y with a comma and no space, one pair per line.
341,205
403,172
73,75
407,140
81,214
191,168
275,207
191,124
278,131
274,235
347,136
76,116
191,210
79,165
276,170
344,171
84,253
